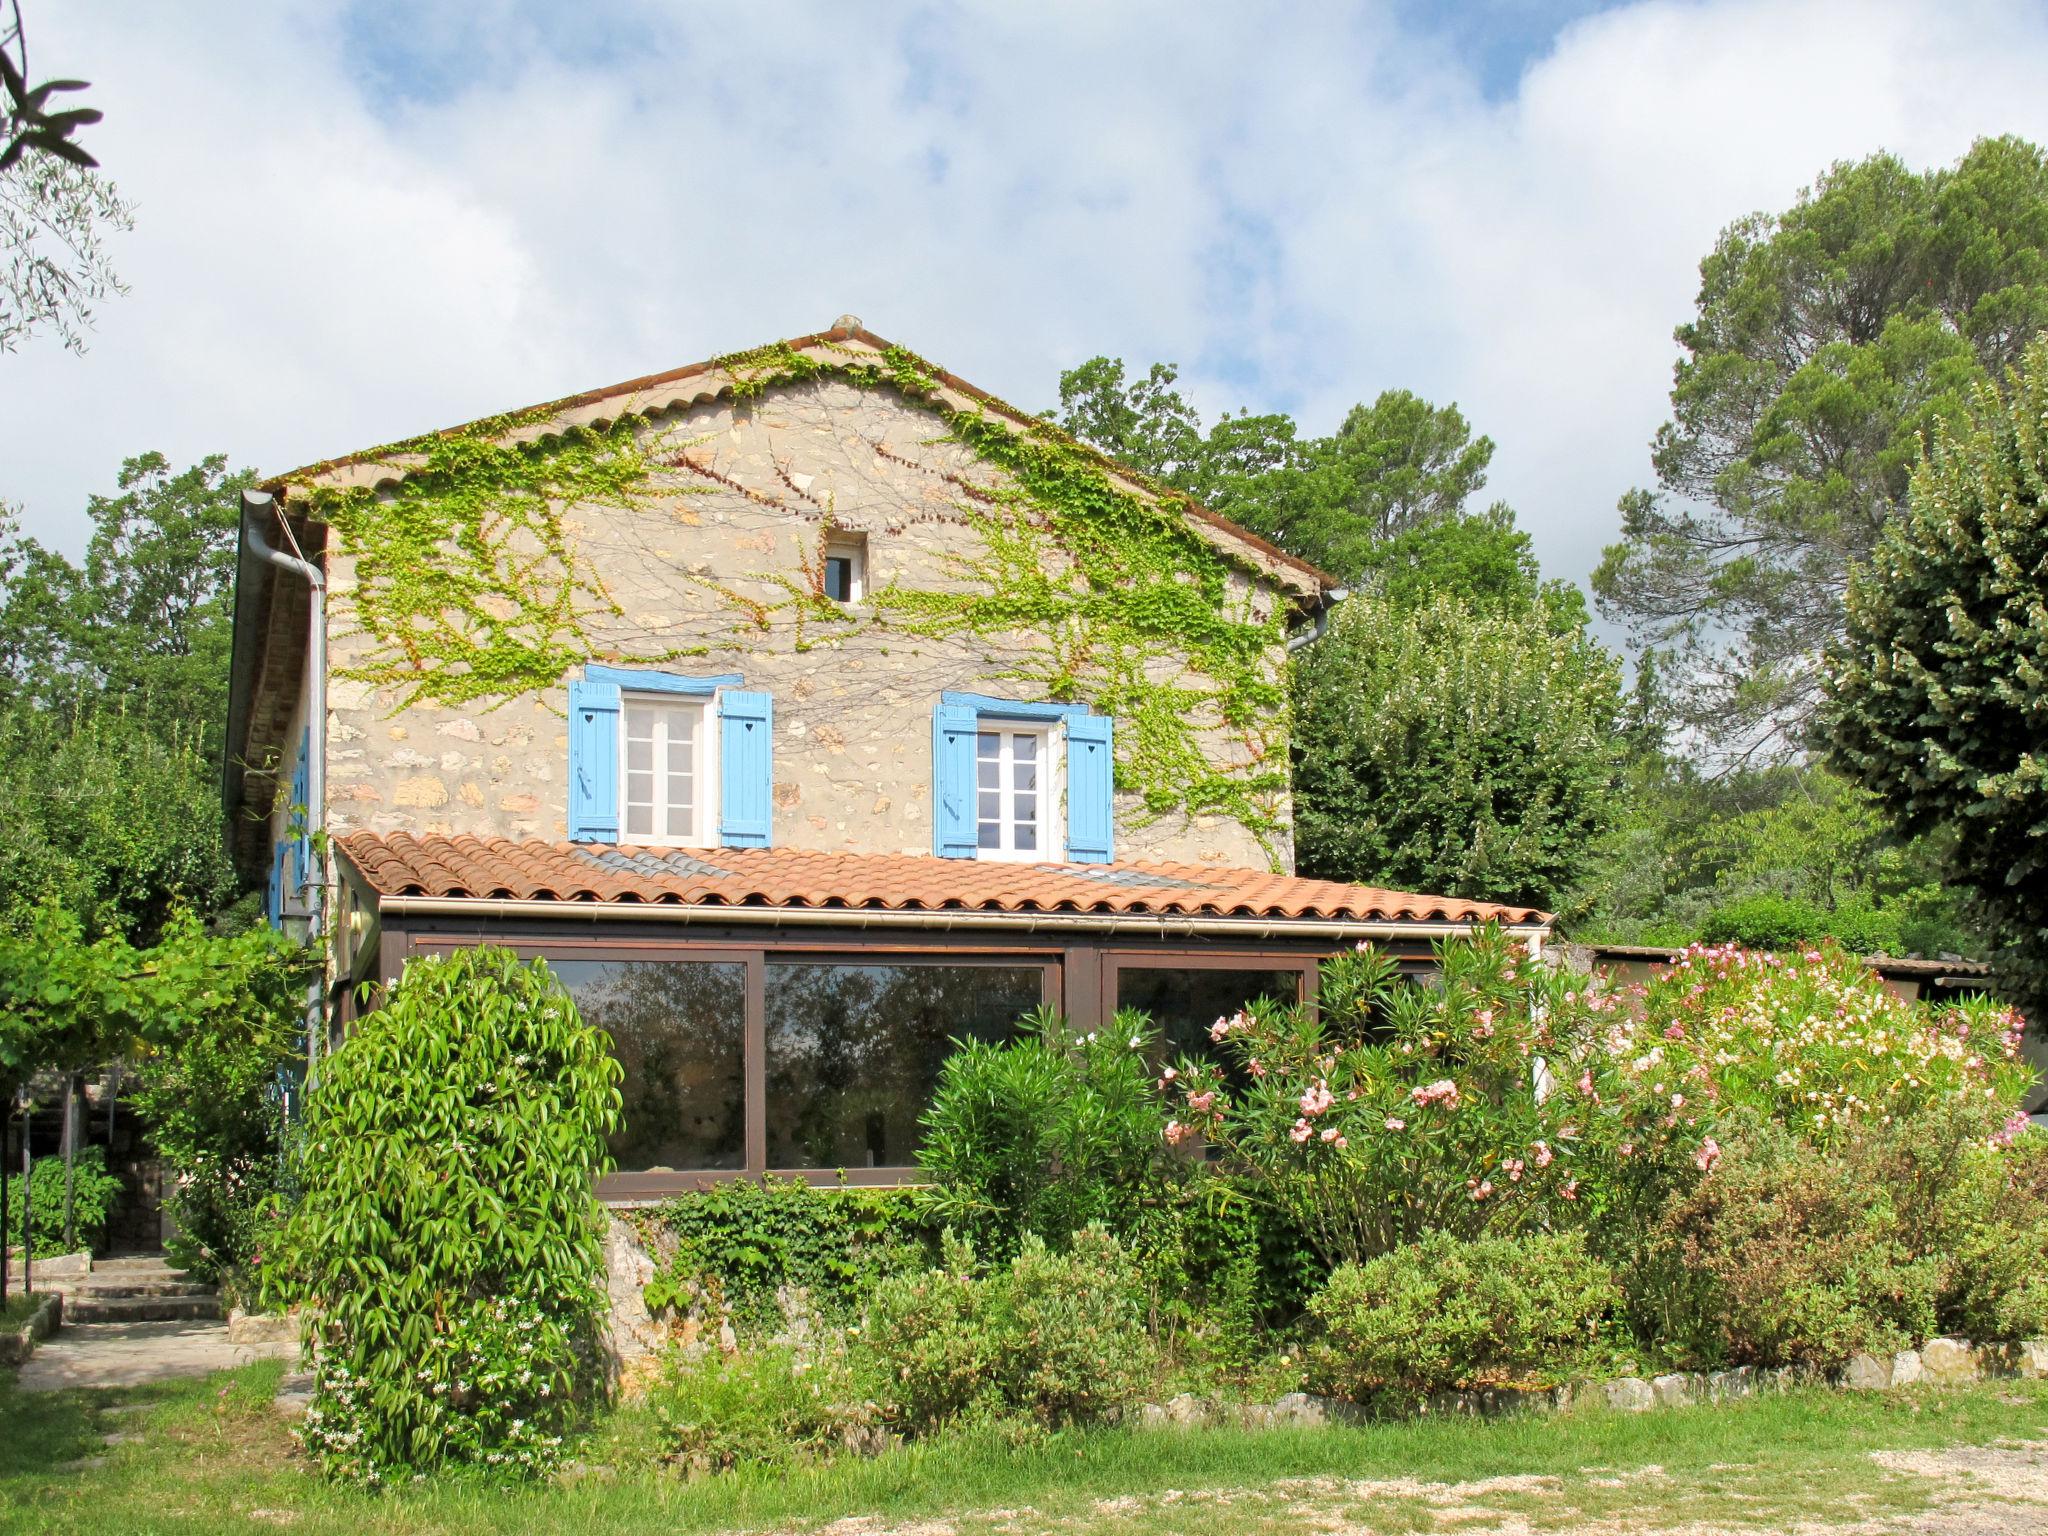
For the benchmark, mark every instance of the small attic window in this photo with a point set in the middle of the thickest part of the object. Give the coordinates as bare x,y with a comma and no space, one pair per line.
846,567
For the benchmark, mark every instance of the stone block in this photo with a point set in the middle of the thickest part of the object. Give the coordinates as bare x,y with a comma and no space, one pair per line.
1946,1361
1629,1394
1187,1411
1675,1389
1301,1409
2030,1359
1906,1368
1867,1373
1730,1385
261,1327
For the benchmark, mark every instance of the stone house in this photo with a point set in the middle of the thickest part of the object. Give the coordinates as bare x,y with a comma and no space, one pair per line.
807,709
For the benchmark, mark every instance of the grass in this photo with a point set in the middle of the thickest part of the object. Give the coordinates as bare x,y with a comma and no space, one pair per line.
15,1309
211,1456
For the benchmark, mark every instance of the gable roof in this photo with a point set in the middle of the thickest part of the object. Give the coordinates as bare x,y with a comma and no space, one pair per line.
581,876
680,388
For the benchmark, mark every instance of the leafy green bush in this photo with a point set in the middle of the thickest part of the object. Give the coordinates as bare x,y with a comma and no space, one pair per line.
759,1408
1786,922
1058,1337
1442,1313
93,1193
1788,1253
448,1245
1046,1133
1996,1285
738,1247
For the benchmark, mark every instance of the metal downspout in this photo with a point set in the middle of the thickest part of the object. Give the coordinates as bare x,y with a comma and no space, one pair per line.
255,504
1334,596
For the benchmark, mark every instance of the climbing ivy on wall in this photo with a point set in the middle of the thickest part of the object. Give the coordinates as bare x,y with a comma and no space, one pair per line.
469,587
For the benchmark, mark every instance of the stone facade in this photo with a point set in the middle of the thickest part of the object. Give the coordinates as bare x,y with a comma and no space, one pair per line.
707,566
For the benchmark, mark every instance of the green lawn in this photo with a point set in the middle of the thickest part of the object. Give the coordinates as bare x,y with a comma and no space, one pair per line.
212,1457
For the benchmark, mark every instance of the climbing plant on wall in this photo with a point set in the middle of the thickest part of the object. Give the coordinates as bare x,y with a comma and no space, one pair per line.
469,587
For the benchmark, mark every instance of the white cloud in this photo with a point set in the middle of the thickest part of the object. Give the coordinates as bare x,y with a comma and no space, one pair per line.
1301,204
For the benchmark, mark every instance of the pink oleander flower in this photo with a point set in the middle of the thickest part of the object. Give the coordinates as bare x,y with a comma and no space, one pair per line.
1543,1154
1443,1091
1255,1068
1167,1076
1396,1123
1513,1168
1176,1133
1200,1102
1302,1131
1331,1133
1708,1155
1482,1031
1586,1082
1569,1189
1342,1142
1674,1032
1678,1101
1479,1188
1628,1149
1316,1100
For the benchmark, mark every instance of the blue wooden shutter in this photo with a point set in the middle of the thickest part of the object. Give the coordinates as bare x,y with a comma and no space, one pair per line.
273,895
953,727
302,811
594,762
746,772
1091,777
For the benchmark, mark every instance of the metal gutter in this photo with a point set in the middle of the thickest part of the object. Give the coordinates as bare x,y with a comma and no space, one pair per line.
1152,926
314,891
1331,599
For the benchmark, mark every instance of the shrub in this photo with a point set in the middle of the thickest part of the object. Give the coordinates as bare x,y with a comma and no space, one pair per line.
761,1408
1790,1254
1785,922
1996,1285
1393,1109
93,1193
1443,1313
1812,1040
1046,1133
746,1250
448,1246
1059,1337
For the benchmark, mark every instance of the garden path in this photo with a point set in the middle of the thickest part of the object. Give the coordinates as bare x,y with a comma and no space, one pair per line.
133,1354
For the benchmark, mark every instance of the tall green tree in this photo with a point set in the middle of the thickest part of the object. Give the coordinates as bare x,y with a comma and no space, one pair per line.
1448,749
1939,688
1394,466
1826,339
145,622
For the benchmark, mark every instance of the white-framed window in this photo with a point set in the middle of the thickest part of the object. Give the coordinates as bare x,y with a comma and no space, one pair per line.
846,567
668,781
1016,794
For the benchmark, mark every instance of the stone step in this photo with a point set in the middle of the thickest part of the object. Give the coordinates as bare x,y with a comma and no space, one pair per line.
173,1283
141,1309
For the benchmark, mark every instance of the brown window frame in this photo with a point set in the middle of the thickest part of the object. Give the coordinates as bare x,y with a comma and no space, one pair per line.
1116,960
635,1186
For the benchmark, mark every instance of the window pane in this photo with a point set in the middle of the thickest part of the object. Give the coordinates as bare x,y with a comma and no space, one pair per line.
679,1030
988,834
1025,748
1027,837
639,819
1185,1001
988,744
838,578
854,1052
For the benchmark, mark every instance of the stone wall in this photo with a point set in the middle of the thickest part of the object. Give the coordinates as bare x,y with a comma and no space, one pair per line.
706,567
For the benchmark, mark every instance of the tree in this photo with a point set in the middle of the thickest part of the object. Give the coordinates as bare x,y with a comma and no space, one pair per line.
1479,557
1938,690
1394,466
1826,341
55,206
1445,748
147,620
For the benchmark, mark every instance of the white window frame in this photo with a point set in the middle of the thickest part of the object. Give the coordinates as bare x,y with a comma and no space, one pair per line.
1052,818
703,769
852,548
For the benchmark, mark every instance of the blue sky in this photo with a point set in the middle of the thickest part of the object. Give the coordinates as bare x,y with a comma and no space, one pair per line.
357,222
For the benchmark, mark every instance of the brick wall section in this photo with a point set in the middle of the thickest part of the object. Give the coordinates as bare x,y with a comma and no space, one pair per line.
853,708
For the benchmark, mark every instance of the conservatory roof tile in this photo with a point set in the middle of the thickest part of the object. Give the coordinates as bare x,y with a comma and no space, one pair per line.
463,867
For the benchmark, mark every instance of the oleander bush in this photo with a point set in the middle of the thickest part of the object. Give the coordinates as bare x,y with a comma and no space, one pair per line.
1446,1312
448,1245
1046,1133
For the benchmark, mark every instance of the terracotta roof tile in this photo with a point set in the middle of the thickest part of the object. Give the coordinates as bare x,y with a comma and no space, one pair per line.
400,864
